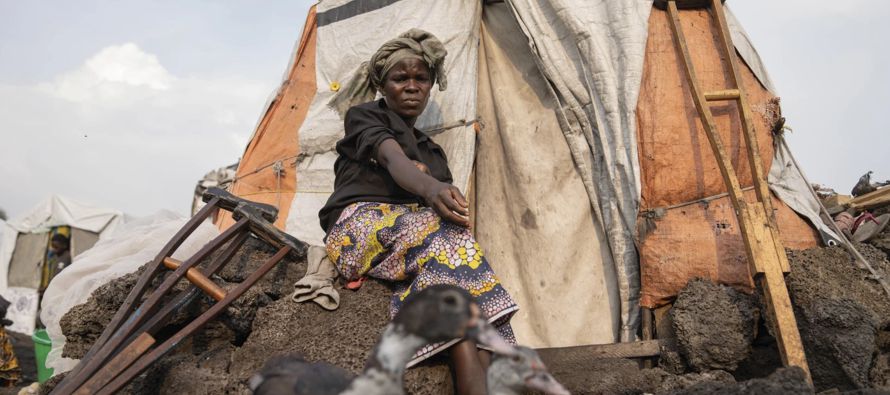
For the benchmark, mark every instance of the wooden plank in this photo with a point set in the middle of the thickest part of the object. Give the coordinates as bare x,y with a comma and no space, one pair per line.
778,304
726,169
775,266
726,94
757,173
872,199
648,332
638,349
756,222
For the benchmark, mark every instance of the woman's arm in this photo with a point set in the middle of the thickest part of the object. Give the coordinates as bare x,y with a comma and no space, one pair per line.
442,197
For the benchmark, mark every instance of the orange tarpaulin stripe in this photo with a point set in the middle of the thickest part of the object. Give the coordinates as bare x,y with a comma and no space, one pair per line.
678,166
276,137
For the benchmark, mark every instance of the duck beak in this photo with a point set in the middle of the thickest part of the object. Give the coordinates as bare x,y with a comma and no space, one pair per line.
486,335
544,382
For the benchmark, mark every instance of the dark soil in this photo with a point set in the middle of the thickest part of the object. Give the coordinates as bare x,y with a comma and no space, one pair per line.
840,310
344,338
714,325
84,323
831,273
264,322
620,376
843,315
839,340
783,381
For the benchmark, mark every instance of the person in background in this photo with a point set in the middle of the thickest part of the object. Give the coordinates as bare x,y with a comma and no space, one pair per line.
58,258
10,372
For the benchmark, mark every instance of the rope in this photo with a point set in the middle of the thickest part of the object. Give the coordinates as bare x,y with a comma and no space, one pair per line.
278,162
707,199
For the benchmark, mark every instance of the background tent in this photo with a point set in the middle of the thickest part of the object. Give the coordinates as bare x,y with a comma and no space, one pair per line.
23,246
570,126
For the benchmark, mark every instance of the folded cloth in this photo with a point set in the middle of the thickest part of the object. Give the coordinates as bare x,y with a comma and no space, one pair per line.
318,283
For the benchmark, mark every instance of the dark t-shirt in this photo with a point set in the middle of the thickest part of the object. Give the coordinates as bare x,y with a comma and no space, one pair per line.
358,176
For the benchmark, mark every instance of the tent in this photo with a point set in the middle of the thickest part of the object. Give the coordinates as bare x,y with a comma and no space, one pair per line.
571,128
24,242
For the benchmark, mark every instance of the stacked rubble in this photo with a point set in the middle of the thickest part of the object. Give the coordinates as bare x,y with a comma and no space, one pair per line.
261,324
723,344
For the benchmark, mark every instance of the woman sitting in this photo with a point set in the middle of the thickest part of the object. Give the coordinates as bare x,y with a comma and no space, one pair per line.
394,214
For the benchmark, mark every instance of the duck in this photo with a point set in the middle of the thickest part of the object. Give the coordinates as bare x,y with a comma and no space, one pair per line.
436,314
521,371
864,185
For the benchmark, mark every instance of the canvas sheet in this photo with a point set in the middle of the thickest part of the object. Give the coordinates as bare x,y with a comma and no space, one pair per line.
533,218
349,32
789,183
128,248
677,163
592,54
683,199
26,265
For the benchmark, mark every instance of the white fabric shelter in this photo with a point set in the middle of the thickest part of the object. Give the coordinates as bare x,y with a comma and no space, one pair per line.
30,232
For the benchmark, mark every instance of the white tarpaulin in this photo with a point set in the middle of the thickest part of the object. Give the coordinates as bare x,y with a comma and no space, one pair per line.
533,218
592,53
349,32
787,181
128,248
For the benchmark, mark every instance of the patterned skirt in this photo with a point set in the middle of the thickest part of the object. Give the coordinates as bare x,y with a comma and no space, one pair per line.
10,373
414,247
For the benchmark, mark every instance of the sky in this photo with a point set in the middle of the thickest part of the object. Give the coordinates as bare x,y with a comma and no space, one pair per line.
128,104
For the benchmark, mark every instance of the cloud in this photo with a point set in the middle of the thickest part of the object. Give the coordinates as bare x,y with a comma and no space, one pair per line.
121,131
113,73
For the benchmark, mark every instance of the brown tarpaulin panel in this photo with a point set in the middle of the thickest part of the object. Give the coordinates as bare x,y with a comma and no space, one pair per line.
27,260
275,139
82,240
680,241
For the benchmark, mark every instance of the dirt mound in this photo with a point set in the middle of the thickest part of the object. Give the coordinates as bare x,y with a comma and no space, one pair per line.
843,315
831,273
622,376
83,324
839,340
714,325
840,309
220,358
344,337
782,382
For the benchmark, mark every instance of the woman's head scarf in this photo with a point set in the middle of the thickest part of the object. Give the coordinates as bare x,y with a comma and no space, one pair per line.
370,76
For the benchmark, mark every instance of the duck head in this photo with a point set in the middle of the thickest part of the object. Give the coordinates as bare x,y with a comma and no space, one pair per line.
444,312
523,370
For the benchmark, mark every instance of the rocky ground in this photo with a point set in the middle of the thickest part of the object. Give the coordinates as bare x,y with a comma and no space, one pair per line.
723,345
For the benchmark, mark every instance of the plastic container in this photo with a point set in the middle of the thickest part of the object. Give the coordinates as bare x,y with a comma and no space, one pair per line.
42,345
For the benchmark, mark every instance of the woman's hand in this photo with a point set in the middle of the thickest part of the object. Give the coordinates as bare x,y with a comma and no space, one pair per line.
448,202
414,177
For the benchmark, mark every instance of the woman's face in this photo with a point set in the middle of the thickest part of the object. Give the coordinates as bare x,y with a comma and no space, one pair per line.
406,88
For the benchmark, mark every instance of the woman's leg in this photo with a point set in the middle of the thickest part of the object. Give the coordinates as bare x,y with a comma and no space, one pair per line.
484,358
468,370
